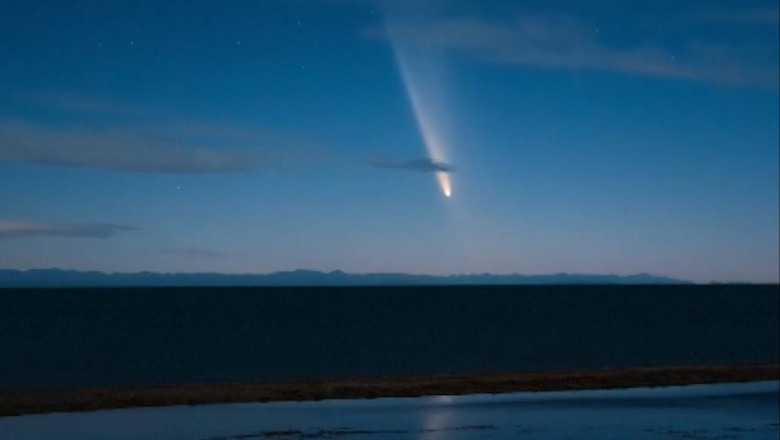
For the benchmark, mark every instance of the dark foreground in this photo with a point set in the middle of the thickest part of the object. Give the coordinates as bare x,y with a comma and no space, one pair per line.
107,338
31,402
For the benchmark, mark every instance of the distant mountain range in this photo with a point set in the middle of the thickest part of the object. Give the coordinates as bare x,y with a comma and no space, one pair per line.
71,278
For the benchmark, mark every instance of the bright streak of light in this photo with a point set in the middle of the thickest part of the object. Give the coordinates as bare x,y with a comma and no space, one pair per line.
444,183
422,114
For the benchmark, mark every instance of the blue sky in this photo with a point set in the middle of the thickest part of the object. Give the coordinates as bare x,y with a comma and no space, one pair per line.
244,136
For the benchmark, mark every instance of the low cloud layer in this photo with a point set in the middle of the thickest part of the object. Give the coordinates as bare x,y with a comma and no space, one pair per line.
102,134
12,229
423,165
120,149
193,252
81,103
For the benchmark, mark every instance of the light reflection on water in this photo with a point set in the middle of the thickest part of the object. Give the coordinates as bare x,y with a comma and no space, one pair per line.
733,411
437,418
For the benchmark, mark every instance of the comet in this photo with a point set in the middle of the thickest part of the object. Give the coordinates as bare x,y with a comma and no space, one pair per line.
444,183
422,108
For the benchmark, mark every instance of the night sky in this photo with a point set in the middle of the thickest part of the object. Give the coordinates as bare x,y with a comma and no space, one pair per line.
598,136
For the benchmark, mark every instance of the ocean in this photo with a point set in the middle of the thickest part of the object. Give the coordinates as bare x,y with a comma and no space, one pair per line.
72,338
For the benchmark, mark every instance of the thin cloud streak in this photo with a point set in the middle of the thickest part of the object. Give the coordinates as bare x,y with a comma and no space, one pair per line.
17,229
114,136
558,41
182,149
193,252
759,16
80,103
422,165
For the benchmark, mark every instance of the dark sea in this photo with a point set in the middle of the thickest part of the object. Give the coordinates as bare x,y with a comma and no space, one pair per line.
65,338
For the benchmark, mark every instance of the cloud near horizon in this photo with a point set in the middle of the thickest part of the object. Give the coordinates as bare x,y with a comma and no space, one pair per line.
15,229
560,41
422,165
193,252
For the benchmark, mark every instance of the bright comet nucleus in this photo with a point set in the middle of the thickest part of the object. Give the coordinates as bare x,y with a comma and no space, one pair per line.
444,183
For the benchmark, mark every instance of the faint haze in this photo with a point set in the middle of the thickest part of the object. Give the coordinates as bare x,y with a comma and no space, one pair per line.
10,229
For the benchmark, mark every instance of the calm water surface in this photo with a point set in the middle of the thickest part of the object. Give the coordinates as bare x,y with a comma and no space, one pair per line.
735,411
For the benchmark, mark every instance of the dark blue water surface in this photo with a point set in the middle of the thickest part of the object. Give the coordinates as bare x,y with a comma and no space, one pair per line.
97,337
745,411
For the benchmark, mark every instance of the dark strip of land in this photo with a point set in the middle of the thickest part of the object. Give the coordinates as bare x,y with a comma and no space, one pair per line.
16,403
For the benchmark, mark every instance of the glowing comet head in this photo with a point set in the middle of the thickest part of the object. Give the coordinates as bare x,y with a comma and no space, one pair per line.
444,183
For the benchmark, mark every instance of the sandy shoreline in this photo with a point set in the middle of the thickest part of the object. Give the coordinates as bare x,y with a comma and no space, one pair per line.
14,403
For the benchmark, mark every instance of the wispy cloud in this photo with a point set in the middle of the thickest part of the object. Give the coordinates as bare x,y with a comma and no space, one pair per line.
80,103
193,252
754,16
169,149
11,229
424,165
92,132
560,41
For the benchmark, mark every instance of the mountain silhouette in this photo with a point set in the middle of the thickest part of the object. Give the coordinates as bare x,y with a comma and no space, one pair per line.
71,278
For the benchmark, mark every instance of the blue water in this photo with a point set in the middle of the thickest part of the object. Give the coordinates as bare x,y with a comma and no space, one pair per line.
728,411
97,337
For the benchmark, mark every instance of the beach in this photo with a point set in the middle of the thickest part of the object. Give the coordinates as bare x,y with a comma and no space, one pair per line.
15,403
733,411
